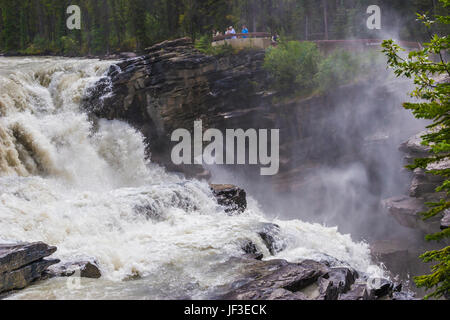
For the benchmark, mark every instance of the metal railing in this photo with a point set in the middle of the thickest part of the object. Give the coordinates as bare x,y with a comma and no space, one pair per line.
242,36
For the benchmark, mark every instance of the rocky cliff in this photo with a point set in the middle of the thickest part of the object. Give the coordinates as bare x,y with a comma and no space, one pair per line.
174,85
22,264
406,209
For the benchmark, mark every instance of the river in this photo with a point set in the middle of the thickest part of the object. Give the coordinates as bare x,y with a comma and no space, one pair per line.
81,188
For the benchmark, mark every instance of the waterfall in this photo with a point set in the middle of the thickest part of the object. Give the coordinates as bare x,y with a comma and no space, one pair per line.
92,191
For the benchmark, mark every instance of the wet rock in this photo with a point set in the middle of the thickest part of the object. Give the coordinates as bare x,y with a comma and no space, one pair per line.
380,287
403,296
270,235
234,199
357,292
414,147
149,212
406,211
14,256
22,264
330,261
84,269
424,183
278,279
337,281
252,251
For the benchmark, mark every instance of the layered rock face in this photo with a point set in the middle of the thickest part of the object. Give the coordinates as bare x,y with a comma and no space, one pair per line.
406,209
174,85
22,264
309,280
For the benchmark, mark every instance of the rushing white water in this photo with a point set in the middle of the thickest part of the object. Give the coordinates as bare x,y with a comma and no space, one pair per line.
93,193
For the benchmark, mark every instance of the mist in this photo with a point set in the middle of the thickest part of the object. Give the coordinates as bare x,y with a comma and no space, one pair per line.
344,162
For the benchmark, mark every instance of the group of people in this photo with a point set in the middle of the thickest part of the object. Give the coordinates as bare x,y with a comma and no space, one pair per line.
231,30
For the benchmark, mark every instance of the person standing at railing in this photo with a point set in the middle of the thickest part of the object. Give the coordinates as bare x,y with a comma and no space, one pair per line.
232,31
244,31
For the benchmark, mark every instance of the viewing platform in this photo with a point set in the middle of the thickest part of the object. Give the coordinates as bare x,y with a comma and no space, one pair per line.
263,40
257,40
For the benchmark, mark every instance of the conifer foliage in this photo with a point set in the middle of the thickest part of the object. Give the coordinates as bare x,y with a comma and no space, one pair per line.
431,73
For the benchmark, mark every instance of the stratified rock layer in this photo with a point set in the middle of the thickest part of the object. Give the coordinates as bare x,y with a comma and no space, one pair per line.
308,280
21,264
407,209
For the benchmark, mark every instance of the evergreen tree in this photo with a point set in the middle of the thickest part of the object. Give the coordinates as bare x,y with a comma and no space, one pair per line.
424,66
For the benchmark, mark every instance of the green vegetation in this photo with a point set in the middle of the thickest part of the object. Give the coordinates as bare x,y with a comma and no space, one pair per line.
340,67
298,68
293,65
39,26
424,66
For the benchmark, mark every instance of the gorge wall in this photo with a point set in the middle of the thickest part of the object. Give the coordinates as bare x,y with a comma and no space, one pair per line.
329,142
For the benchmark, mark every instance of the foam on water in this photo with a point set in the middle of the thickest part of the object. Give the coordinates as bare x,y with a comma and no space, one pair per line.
94,193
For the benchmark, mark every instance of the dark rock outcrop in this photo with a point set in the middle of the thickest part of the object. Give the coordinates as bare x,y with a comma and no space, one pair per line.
233,198
337,281
22,264
270,235
400,256
173,85
278,279
308,280
406,209
380,288
84,269
251,251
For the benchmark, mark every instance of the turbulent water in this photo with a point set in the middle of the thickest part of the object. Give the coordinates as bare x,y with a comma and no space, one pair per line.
92,192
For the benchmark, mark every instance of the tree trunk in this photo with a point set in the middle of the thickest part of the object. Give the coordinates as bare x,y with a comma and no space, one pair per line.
325,18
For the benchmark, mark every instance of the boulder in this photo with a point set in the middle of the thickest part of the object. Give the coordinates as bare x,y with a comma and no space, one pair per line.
406,211
22,264
233,198
84,269
424,183
358,291
251,251
270,235
380,287
278,279
337,281
414,147
307,280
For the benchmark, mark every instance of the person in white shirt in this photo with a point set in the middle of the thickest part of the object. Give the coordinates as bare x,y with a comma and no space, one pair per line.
232,31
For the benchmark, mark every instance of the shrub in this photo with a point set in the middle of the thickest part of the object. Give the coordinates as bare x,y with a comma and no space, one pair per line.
293,65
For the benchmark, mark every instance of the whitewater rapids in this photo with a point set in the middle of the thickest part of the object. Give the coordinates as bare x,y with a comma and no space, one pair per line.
86,189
